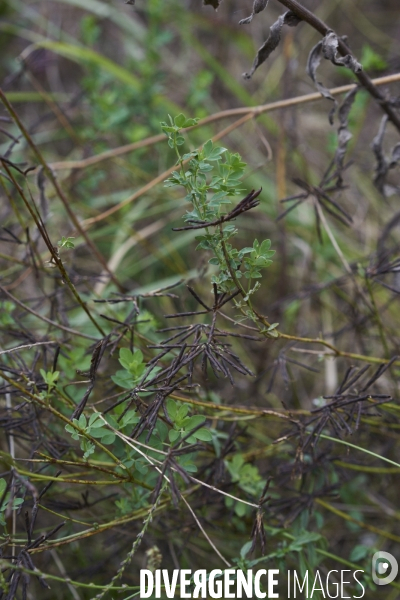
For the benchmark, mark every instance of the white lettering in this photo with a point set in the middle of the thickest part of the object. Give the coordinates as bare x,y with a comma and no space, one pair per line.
305,583
145,574
257,591
335,584
244,584
320,589
272,583
200,580
170,587
185,581
157,574
343,582
215,587
229,582
359,583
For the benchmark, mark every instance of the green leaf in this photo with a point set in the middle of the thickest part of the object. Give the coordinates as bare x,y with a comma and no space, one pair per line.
138,357
130,360
125,356
123,379
182,412
217,153
72,431
240,509
167,128
218,196
191,439
173,435
245,549
305,538
111,421
108,438
171,408
190,155
203,434
162,430
265,245
207,148
214,261
194,421
141,466
93,418
180,120
90,448
130,418
359,552
98,432
191,122
205,167
244,251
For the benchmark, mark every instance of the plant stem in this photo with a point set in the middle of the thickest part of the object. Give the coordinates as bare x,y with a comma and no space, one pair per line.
306,15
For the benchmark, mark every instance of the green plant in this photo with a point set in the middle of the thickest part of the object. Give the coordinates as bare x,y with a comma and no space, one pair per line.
66,242
183,424
5,498
134,367
136,409
212,177
50,378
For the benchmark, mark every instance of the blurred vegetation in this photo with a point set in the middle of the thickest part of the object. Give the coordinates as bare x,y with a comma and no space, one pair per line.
287,455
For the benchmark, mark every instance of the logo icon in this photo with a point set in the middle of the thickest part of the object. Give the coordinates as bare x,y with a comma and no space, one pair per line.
384,568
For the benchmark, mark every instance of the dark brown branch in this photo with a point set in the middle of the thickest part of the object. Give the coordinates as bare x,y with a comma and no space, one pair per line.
250,201
306,15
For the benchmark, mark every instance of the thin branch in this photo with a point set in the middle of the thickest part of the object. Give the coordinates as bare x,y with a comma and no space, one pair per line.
224,114
306,15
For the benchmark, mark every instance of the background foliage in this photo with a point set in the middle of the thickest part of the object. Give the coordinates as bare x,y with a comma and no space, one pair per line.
271,416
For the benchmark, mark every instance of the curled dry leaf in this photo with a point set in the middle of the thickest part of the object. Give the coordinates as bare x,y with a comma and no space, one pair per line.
344,135
288,18
214,3
314,59
258,6
384,163
330,45
327,48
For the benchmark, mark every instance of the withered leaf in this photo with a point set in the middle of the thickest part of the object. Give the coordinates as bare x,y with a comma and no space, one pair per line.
288,18
330,45
313,62
381,166
395,155
344,135
384,164
214,3
258,6
327,48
